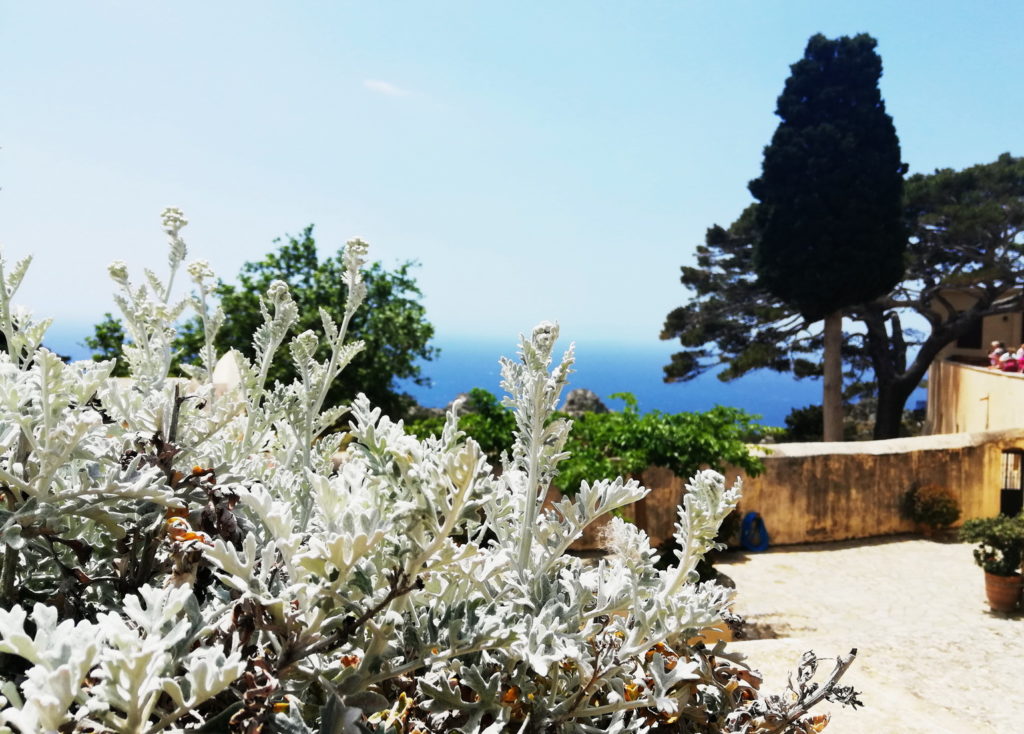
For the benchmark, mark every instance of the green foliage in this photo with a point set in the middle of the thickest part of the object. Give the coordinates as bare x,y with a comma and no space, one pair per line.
1000,542
107,342
931,505
392,325
732,320
627,442
965,234
624,443
966,231
803,424
830,225
481,416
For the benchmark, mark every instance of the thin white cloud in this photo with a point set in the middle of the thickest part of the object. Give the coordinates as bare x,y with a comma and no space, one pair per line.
382,87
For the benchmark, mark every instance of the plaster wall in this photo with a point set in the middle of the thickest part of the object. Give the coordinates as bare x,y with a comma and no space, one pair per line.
817,492
963,398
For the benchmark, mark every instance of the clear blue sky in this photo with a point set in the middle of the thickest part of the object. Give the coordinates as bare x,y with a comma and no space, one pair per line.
541,159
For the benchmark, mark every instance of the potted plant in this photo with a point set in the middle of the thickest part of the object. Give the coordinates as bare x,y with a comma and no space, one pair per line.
932,507
1000,546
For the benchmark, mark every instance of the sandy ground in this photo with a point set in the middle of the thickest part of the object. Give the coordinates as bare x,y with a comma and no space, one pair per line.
932,658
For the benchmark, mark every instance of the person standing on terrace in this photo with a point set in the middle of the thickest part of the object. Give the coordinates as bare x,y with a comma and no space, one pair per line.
998,350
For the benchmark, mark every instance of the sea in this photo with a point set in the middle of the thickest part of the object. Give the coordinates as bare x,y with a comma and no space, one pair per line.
608,368
603,367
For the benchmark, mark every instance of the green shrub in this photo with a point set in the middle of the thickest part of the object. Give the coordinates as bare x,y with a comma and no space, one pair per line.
1000,543
482,417
931,505
623,443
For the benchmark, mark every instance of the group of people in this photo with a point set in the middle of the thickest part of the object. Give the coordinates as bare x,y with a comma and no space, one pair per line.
1001,359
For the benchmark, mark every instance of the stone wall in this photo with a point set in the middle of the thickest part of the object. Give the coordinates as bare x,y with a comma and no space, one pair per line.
822,492
817,492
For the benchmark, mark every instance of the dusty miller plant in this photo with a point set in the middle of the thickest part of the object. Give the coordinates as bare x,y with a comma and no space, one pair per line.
177,557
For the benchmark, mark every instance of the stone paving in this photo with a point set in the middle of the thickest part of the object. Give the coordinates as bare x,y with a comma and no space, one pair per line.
932,658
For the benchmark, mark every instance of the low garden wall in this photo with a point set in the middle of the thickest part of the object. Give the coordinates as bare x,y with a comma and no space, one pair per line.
813,492
816,492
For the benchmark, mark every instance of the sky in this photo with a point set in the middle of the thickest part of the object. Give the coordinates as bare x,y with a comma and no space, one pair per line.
540,160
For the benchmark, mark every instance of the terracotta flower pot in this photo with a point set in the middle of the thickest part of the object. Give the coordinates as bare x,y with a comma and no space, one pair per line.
1003,591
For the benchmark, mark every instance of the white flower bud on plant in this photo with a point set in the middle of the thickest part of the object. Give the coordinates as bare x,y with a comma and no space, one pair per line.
303,347
545,334
118,270
354,258
173,220
277,291
356,252
199,271
626,541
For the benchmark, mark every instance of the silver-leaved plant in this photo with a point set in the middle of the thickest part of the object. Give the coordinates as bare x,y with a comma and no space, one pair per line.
178,556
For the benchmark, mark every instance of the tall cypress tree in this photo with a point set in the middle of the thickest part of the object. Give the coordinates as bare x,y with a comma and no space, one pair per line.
831,234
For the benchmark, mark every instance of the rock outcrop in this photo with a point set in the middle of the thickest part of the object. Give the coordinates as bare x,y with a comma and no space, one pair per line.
580,401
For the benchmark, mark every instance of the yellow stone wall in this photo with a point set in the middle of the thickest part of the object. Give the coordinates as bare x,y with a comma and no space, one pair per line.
822,492
818,492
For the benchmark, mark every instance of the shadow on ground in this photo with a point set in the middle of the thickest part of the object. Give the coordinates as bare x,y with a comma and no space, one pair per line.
738,555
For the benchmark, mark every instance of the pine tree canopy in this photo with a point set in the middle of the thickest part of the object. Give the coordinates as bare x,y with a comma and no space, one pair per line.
830,224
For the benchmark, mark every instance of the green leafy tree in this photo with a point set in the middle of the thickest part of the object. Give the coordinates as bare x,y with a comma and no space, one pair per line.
830,229
966,235
107,341
392,322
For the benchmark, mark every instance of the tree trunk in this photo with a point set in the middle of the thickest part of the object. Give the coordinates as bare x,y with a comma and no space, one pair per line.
832,399
888,352
895,388
889,412
895,379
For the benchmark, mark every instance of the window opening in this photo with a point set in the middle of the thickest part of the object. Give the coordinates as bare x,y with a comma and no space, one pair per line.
972,339
1011,494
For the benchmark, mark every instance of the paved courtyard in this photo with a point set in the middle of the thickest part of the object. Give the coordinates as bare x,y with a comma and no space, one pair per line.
932,658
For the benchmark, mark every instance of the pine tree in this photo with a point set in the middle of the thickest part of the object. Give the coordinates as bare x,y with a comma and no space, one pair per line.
831,233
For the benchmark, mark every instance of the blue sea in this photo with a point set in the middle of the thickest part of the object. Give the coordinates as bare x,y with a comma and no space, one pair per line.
603,367
607,368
